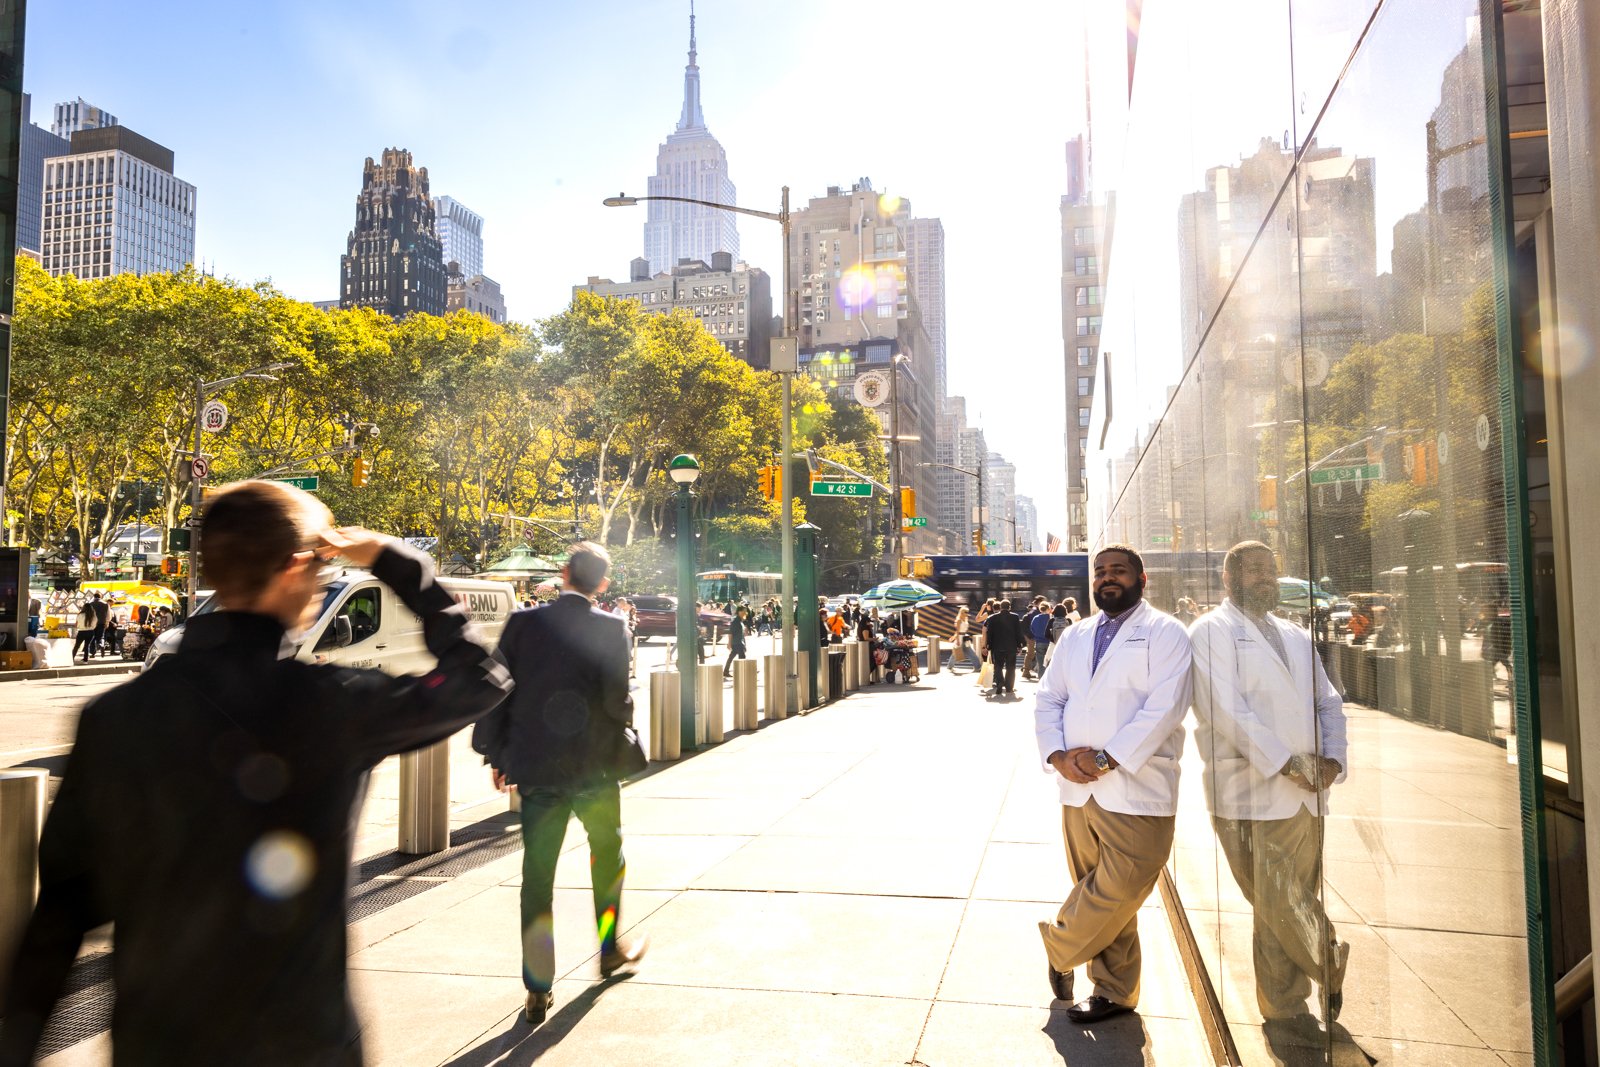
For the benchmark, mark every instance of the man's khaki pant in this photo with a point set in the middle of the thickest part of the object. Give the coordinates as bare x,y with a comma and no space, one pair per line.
1278,865
1115,860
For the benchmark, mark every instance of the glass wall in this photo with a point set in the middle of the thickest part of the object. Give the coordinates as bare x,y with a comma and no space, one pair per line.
1301,363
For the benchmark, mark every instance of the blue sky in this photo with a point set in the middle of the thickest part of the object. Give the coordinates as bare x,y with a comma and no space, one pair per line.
530,113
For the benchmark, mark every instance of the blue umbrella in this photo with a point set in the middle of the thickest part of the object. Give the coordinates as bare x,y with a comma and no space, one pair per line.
898,595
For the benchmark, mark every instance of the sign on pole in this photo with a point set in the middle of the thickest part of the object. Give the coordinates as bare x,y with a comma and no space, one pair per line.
199,467
214,416
1161,539
914,520
1360,472
991,544
309,482
830,487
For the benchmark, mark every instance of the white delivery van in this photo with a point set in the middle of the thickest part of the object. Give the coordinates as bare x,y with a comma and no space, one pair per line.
363,623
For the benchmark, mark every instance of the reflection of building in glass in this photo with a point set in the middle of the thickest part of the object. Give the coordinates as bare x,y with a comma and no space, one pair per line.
733,300
691,163
1081,227
393,263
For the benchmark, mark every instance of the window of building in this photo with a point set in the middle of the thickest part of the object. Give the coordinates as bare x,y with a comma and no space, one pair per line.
1085,355
1085,386
1083,235
1088,324
1083,417
1088,295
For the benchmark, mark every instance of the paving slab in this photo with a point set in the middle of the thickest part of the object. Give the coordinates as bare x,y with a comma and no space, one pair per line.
982,1035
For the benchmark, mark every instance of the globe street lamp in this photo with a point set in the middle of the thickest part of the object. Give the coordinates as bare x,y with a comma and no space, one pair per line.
786,372
685,470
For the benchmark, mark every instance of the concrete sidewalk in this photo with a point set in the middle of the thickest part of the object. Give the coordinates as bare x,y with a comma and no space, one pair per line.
857,886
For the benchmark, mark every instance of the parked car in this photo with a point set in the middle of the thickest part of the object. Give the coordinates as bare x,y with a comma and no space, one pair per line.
658,617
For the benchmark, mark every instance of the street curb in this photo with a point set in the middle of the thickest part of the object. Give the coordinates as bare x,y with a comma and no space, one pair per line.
70,672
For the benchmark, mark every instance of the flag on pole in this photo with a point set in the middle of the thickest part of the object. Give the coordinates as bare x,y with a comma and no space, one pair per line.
1052,543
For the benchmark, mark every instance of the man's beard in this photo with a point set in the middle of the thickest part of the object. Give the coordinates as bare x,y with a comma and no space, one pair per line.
1257,599
1120,599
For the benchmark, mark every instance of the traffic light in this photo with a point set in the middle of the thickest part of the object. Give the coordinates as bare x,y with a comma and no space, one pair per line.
977,542
1177,537
358,474
769,482
908,503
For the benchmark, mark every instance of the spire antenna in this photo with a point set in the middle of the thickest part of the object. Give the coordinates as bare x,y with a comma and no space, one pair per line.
691,118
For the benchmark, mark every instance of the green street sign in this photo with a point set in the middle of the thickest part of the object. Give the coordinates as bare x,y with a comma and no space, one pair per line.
1161,539
309,482
1360,472
991,544
829,487
920,520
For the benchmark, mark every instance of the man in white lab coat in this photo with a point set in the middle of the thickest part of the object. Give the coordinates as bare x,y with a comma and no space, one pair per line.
1271,729
1109,721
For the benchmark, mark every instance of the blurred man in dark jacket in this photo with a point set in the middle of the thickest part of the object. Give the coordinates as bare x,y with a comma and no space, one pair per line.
565,739
208,806
1003,634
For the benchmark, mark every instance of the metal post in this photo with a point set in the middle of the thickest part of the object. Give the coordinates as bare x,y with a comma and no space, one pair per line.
983,548
688,622
12,34
425,799
22,806
787,616
894,461
195,495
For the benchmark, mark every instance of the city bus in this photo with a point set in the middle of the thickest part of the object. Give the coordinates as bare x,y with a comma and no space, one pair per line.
1017,576
748,587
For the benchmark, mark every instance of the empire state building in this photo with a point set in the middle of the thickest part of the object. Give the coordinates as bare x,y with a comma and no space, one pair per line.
690,163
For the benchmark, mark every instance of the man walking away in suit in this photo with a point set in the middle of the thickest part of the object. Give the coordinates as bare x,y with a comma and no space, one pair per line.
1109,721
1271,728
1003,636
562,740
102,619
208,807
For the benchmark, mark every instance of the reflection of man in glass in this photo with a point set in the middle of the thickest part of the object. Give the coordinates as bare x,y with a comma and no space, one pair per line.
1271,729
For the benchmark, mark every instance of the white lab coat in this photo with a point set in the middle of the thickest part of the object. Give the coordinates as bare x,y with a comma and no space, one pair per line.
1133,707
1253,713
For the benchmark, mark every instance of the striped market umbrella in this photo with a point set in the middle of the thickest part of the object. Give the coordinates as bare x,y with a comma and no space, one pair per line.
901,594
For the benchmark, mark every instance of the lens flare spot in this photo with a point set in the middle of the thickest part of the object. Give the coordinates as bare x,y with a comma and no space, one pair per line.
856,288
280,864
608,926
888,204
1576,351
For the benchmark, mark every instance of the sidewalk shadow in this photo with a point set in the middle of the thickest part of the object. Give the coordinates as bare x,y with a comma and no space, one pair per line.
1117,1042
519,1045
1301,1042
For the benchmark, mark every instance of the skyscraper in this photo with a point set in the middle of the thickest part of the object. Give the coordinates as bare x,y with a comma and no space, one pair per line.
79,114
925,273
394,263
460,235
112,204
690,163
37,145
1081,225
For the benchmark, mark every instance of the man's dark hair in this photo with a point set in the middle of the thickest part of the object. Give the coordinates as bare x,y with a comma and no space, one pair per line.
1005,605
1071,603
586,567
95,595
1236,554
249,531
1134,559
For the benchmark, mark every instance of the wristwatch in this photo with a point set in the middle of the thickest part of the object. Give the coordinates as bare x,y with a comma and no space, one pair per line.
1102,762
1297,765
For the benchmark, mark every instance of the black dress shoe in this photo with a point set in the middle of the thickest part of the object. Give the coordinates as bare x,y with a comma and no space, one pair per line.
1060,984
1094,1009
538,1007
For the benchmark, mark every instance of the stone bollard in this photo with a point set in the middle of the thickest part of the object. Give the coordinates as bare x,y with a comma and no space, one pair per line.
744,694
803,683
22,793
774,698
852,666
708,727
666,734
934,651
425,799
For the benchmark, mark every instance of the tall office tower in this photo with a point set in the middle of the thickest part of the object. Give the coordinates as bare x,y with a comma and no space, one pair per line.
79,114
690,163
37,145
394,263
1027,525
460,235
732,300
1000,486
960,446
1080,331
925,273
112,204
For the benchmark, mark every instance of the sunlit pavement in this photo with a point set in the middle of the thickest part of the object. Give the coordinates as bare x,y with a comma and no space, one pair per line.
856,886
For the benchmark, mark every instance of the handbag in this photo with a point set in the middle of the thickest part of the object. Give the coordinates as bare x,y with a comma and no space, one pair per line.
986,676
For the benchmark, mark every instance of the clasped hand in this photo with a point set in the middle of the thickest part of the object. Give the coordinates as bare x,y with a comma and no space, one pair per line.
1077,765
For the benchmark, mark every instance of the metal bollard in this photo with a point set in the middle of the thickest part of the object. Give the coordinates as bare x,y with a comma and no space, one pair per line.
824,683
775,697
666,740
852,666
708,705
803,686
22,791
864,665
744,694
933,654
425,799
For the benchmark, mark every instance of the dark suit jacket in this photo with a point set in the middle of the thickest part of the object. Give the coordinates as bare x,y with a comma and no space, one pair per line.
1002,632
208,809
563,726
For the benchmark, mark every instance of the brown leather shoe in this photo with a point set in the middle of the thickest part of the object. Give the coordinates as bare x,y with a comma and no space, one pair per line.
538,1007
1095,1009
625,957
1060,984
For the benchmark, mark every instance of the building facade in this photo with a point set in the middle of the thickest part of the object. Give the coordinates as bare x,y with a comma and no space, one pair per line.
925,275
79,114
394,263
1347,315
960,446
460,235
1027,525
1080,332
690,163
36,145
1000,486
112,204
733,300
477,294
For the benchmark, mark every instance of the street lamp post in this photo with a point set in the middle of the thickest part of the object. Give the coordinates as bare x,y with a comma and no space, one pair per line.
898,502
685,470
203,389
785,377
